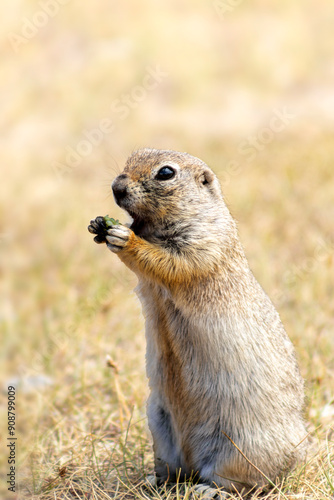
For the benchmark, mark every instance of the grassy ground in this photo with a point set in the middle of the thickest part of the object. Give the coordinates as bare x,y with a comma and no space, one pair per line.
71,327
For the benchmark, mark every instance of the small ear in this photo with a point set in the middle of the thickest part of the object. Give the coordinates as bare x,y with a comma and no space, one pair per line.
207,177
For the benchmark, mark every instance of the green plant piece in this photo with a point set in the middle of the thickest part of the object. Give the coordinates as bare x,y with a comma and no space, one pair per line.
111,222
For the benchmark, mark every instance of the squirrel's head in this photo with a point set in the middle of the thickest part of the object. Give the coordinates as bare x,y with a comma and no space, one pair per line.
159,186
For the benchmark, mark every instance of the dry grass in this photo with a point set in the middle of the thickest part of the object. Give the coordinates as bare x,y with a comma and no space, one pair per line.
67,303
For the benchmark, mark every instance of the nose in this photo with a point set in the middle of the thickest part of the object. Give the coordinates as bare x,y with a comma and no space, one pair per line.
119,187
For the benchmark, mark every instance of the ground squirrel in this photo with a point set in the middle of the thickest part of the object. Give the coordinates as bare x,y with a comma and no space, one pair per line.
219,362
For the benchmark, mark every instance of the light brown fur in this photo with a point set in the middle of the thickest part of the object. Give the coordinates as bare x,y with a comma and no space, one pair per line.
218,358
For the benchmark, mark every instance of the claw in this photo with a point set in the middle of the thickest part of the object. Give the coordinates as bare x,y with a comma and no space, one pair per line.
99,239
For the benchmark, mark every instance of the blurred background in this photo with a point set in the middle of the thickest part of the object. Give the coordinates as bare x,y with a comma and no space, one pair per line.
245,86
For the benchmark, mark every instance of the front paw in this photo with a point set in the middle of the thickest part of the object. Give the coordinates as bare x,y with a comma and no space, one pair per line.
98,226
118,238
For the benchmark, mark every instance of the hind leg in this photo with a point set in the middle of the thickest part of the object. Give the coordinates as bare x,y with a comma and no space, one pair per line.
167,461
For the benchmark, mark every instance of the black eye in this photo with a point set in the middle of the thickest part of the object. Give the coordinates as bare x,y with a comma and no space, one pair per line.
165,173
